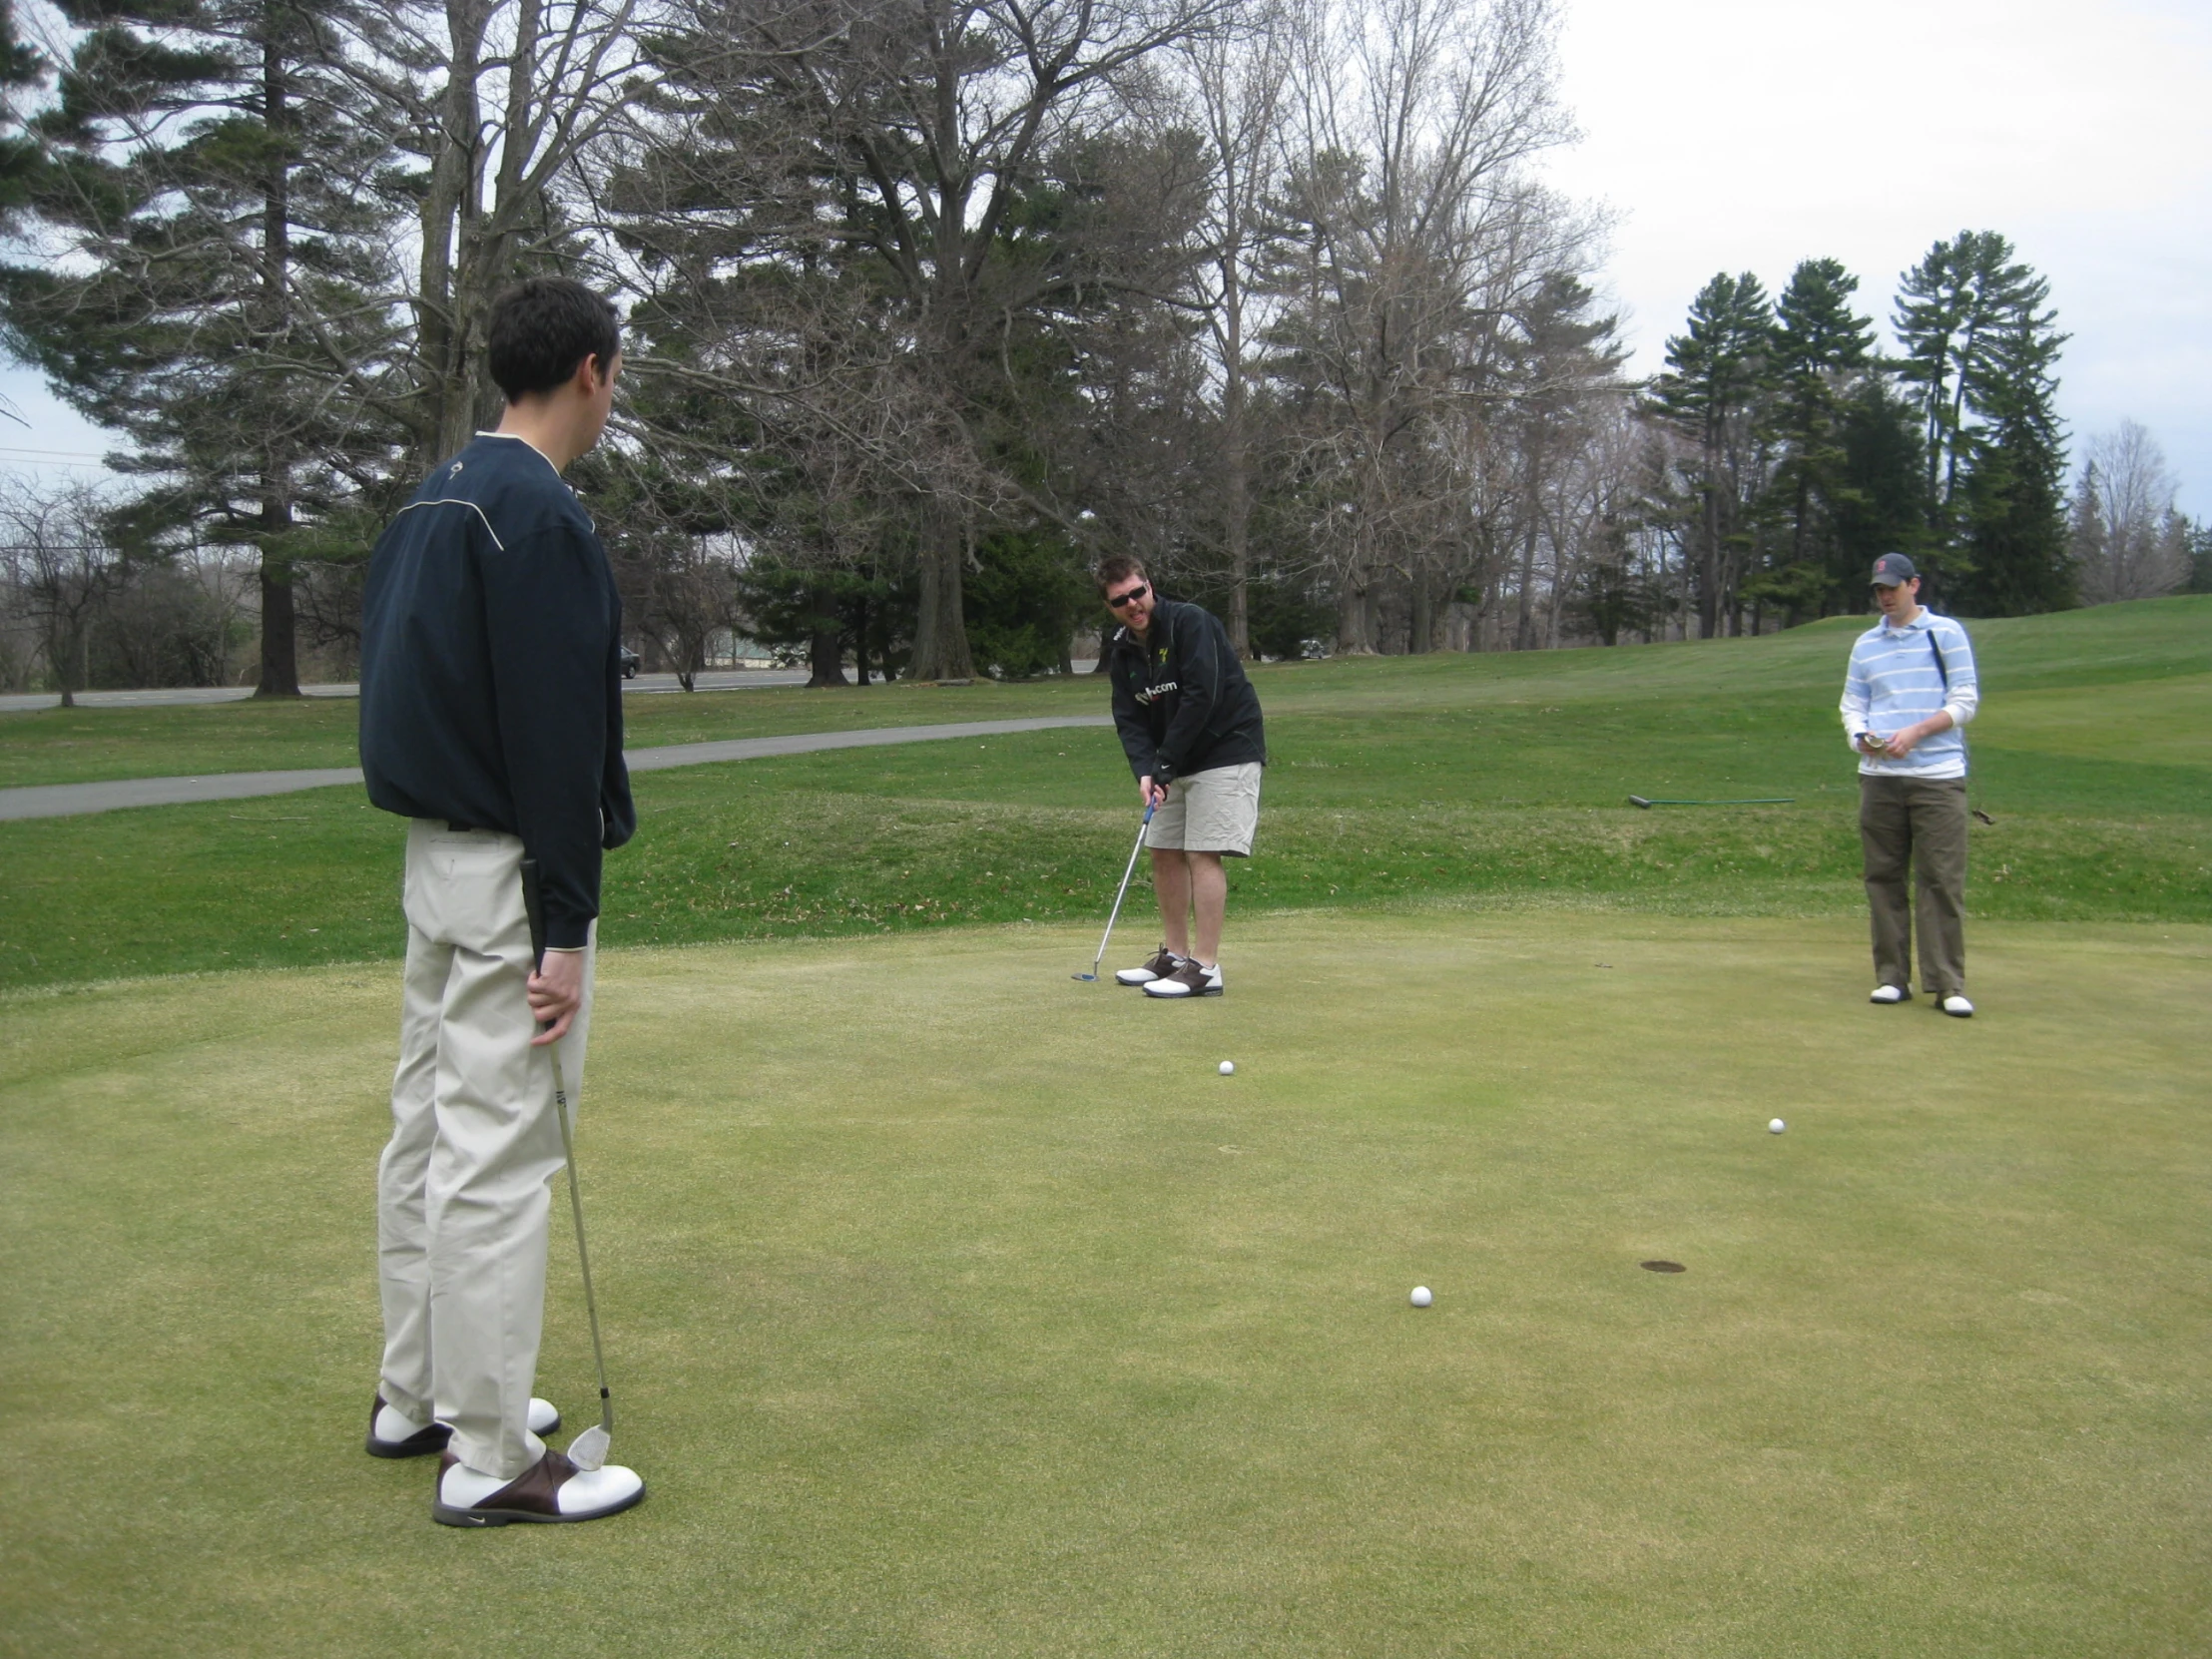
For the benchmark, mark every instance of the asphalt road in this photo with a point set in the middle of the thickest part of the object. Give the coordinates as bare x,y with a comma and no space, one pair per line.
69,800
735,678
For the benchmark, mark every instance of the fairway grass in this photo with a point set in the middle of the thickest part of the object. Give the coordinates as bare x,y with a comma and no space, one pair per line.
959,1309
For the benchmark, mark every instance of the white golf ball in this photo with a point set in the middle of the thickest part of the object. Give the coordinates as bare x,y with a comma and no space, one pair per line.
1229,1068
1776,1127
1422,1298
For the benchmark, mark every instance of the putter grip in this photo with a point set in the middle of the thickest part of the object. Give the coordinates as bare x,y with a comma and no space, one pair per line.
533,906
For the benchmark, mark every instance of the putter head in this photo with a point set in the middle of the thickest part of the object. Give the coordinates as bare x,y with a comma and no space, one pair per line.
1092,977
589,1449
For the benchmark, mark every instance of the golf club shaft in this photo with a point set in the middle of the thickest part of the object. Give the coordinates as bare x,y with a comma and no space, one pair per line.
1115,915
583,1254
533,909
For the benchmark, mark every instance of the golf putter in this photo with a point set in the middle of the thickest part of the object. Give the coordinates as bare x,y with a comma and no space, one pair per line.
589,1449
1118,898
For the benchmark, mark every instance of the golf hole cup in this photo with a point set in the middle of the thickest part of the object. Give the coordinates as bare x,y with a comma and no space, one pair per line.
1420,1297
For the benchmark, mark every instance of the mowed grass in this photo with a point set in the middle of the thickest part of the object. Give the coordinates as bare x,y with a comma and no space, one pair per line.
955,1309
1403,780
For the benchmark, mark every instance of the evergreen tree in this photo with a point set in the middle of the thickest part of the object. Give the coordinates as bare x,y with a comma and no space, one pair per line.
1559,358
1881,501
22,70
1717,377
1821,347
1980,352
228,247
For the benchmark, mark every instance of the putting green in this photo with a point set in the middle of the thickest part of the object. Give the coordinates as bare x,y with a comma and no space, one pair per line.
956,1308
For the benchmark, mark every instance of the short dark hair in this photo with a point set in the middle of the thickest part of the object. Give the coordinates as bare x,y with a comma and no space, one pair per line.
1116,567
541,329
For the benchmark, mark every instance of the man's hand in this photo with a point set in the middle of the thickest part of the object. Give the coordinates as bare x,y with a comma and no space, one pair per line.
1149,793
1902,742
556,992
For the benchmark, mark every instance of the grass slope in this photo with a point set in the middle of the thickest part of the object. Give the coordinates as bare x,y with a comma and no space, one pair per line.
1393,780
937,1341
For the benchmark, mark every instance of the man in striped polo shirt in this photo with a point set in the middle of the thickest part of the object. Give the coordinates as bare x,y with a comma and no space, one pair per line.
1910,689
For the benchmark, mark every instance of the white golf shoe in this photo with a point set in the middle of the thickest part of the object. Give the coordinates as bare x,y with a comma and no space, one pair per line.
551,1489
1190,978
1157,966
393,1434
1889,994
1957,1006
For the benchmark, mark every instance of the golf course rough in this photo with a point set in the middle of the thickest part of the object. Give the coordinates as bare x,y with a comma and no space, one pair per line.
931,1344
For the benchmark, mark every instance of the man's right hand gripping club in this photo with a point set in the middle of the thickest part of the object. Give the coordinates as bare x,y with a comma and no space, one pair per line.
556,992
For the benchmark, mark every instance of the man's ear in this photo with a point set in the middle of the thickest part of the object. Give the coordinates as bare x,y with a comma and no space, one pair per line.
591,374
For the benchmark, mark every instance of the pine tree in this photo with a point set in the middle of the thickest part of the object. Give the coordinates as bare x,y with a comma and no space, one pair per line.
1981,352
22,70
1881,500
1560,356
229,241
1820,346
1717,378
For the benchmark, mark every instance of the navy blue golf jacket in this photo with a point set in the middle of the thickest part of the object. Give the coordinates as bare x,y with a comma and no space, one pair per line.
491,677
1182,702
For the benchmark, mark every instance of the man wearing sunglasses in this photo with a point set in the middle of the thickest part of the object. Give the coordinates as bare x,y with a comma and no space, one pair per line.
1910,689
1190,724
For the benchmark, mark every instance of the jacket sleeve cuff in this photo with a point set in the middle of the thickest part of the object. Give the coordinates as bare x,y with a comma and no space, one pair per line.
567,932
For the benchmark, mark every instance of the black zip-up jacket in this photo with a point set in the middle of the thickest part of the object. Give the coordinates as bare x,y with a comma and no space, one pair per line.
1182,702
491,675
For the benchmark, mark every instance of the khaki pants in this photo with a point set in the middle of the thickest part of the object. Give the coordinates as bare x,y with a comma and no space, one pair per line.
1919,822
464,1186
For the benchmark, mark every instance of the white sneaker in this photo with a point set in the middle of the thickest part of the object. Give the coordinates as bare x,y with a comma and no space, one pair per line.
1957,1006
1888,994
551,1489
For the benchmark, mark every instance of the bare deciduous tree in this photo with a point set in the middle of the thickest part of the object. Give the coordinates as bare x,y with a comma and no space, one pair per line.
60,570
2127,541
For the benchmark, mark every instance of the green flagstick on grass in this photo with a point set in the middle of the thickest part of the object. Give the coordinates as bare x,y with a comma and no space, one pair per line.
1752,800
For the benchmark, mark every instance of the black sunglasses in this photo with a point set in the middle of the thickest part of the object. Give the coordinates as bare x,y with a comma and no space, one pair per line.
1136,593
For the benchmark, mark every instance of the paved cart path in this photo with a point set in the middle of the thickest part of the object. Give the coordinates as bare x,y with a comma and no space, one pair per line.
67,800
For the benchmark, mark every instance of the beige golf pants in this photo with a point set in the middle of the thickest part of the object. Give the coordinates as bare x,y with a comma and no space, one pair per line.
464,1186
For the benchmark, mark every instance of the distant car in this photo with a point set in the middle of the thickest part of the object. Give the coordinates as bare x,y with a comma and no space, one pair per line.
631,663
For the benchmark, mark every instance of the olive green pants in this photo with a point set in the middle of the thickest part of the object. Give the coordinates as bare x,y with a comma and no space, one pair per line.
1916,824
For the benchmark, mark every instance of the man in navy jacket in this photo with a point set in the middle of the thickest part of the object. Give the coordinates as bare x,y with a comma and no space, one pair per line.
491,719
1190,724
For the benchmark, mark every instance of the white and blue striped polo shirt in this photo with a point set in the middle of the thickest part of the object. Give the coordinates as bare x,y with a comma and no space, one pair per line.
1895,680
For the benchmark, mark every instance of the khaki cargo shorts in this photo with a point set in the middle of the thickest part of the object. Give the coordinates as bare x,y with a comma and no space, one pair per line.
1210,812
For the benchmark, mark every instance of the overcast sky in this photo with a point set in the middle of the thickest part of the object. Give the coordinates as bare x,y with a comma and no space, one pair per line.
1747,135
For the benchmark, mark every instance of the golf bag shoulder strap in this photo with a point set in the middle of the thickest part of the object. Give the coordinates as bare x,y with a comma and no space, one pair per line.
1943,672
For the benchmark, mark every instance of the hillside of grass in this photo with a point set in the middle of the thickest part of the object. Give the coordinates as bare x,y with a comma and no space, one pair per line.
1494,779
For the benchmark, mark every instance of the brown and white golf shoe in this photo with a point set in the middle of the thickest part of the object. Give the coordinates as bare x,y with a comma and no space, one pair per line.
1189,979
1162,963
391,1434
551,1489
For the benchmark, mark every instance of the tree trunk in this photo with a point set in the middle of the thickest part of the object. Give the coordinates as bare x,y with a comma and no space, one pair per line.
1354,635
860,642
1235,487
825,642
1420,627
280,632
940,630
